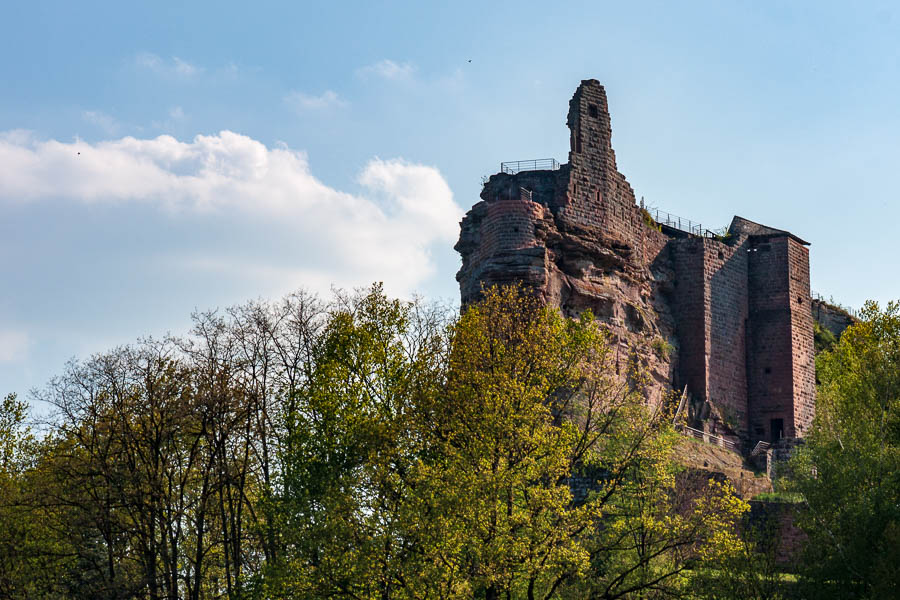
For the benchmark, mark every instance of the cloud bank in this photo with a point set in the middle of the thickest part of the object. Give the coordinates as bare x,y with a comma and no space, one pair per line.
382,232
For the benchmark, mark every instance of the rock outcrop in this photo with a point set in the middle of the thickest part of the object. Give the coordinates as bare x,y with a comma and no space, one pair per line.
831,317
725,316
542,228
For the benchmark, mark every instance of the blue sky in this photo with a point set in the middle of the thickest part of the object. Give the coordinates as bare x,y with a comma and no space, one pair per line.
157,158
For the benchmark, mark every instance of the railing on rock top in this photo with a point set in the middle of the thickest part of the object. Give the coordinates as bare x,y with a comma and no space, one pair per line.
853,312
540,164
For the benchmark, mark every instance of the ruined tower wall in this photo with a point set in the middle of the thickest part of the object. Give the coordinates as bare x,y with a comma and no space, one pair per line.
508,226
501,239
726,271
711,314
654,244
802,344
769,360
598,198
690,313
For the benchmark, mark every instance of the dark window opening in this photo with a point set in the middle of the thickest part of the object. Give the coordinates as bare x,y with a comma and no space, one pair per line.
592,110
759,431
578,143
777,429
799,299
721,256
768,370
516,229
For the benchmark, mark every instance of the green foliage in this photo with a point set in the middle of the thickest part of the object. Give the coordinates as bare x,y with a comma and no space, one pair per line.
649,221
785,497
369,448
33,555
749,571
849,470
723,235
499,457
823,339
662,348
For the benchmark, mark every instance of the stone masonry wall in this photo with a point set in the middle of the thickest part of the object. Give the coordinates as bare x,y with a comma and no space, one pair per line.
725,268
833,318
770,363
502,239
775,523
691,315
599,198
711,311
802,346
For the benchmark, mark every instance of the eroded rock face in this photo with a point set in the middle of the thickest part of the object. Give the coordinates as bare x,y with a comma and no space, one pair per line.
833,318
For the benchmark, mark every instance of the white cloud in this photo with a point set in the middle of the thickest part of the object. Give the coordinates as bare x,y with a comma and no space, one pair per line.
174,67
148,60
13,345
109,125
183,68
388,69
383,233
304,102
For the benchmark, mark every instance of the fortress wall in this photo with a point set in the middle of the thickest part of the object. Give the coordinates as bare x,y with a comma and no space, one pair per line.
509,225
802,344
711,314
725,270
776,521
653,243
498,244
769,350
691,315
544,185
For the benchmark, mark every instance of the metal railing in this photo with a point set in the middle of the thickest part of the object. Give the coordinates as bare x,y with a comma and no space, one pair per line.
679,223
760,448
853,312
708,437
540,164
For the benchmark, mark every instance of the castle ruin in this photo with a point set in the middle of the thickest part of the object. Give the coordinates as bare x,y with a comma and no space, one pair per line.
725,316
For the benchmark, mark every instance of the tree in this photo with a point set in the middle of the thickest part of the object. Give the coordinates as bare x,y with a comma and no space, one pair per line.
849,469
497,457
345,511
367,448
553,475
33,556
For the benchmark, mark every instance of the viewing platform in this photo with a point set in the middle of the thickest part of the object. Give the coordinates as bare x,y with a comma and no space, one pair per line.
540,164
